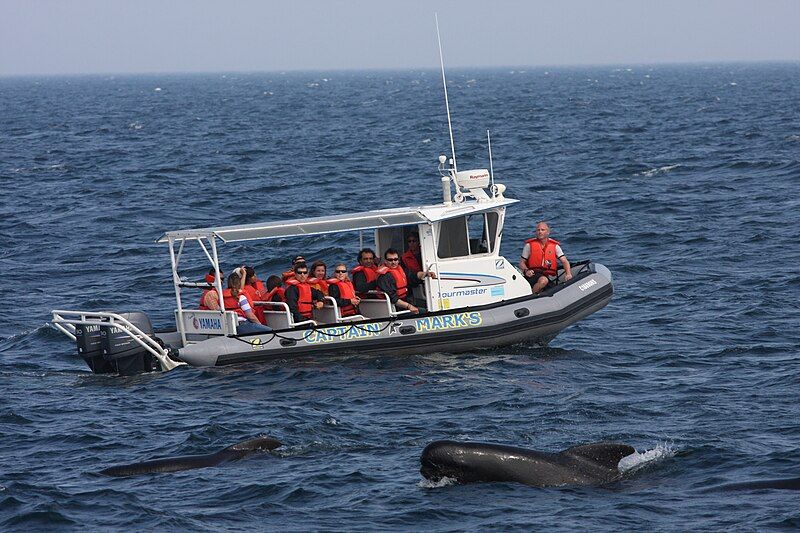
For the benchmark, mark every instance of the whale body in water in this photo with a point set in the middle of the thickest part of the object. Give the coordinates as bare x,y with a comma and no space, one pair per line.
239,450
466,462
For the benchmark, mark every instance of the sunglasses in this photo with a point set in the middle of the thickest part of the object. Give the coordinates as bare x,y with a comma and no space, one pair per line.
395,260
302,272
412,240
341,271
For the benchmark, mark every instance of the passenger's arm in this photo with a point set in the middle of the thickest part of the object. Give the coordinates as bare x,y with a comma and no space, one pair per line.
244,305
387,284
317,297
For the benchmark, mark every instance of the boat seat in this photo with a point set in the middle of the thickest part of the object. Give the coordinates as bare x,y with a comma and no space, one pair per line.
278,316
378,305
331,314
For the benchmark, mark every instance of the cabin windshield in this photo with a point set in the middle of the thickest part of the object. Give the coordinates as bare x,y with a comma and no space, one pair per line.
473,234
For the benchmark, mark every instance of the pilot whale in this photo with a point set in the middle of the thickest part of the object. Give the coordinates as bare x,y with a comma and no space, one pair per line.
239,450
466,462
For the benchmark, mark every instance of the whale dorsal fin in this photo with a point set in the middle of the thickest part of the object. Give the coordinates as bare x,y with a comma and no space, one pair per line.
606,454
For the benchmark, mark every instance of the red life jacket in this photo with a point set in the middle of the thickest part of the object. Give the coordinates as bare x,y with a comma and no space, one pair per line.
370,273
253,295
232,302
277,290
320,284
399,279
304,302
543,258
346,292
410,261
289,274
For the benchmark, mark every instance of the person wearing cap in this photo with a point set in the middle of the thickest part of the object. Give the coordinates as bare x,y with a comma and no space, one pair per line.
300,296
539,259
209,300
289,274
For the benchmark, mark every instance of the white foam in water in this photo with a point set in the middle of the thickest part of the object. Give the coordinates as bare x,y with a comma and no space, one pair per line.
654,171
428,484
638,460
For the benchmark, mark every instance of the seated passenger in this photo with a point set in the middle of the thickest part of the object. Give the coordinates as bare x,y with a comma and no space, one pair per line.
365,275
343,291
235,299
289,274
256,291
412,259
300,296
318,277
275,290
395,281
209,300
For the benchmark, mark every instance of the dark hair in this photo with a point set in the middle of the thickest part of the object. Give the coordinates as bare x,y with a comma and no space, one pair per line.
413,234
365,251
213,271
251,273
298,266
274,281
295,258
391,251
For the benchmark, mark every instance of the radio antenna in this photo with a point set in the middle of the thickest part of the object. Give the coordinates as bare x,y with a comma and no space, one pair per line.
446,101
491,166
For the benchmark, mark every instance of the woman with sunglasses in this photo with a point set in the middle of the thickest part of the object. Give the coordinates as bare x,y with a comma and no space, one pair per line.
342,290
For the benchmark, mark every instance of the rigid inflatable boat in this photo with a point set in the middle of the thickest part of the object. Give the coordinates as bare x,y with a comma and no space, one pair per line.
478,299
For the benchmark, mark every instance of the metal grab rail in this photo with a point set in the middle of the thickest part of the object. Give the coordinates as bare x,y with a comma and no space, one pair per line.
66,325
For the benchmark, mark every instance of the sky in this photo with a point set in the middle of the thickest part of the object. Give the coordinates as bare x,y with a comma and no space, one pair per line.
154,36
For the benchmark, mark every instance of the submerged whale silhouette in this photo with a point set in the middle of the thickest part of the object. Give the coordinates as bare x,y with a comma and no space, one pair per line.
239,450
590,464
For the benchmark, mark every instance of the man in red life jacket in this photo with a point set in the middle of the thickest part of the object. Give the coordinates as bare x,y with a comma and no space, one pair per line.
365,275
209,300
539,259
300,296
397,283
342,290
412,259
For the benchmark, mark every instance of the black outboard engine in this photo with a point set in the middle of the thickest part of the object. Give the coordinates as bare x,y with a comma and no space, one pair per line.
91,349
122,353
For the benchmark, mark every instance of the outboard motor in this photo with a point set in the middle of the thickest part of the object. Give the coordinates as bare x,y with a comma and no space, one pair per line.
90,348
122,353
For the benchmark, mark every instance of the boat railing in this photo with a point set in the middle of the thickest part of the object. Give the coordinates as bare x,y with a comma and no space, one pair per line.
378,305
278,316
332,314
68,321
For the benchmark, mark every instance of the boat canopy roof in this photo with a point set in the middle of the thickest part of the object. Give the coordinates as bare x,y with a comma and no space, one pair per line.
382,218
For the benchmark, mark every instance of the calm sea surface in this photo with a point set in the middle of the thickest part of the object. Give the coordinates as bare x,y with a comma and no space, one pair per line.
683,180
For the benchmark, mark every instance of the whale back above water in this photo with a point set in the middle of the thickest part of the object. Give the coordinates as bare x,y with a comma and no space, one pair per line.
466,462
236,451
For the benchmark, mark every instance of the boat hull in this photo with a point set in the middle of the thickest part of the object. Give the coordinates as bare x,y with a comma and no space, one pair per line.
535,318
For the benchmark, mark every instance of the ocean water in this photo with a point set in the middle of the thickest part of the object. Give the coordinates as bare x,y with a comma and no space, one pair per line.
683,180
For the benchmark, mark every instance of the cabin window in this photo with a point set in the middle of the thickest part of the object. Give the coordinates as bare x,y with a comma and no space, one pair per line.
468,235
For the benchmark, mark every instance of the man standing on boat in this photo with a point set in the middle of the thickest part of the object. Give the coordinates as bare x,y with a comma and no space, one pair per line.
539,259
